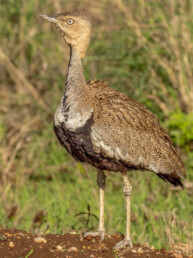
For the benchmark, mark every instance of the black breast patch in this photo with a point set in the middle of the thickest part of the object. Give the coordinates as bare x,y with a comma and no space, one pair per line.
79,145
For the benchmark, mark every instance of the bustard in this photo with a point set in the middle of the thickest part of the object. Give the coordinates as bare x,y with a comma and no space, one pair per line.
107,129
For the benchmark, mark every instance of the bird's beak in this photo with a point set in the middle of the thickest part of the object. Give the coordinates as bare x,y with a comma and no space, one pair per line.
49,18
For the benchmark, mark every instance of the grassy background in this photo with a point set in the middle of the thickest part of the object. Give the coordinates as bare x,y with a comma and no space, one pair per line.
144,49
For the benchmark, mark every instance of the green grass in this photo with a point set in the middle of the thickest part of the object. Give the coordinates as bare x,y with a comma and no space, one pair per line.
157,212
142,49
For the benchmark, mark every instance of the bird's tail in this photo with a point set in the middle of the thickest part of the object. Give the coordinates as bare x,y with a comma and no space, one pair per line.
172,178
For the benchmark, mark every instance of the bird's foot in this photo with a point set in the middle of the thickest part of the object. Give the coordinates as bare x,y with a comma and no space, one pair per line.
101,234
125,242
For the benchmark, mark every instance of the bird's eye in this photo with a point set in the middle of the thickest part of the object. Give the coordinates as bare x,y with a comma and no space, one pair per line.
70,21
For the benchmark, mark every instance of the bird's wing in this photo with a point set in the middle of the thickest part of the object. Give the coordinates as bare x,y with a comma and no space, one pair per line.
124,130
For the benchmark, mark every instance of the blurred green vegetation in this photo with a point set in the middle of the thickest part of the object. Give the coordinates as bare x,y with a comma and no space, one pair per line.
144,49
181,129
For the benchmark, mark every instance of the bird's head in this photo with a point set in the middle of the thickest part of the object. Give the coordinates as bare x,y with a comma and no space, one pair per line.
74,28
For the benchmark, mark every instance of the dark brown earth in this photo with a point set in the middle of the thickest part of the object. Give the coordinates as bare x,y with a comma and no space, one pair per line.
21,244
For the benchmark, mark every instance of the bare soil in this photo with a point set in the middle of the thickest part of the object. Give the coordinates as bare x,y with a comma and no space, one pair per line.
20,244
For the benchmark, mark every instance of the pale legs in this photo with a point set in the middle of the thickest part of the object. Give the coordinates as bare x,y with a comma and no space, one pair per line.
101,179
127,188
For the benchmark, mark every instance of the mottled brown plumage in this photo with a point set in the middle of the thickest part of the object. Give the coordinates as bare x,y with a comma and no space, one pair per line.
124,135
107,129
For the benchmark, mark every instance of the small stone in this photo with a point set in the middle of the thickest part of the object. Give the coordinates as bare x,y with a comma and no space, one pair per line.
139,250
73,249
146,244
3,238
11,244
7,234
40,240
91,256
21,234
59,247
103,248
133,251
88,237
73,233
125,251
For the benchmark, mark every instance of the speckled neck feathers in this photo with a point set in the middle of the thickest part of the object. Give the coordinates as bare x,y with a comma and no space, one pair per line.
73,109
75,79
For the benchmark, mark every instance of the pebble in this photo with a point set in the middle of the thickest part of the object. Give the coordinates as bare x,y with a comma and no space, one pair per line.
3,238
73,249
91,256
73,233
88,237
7,234
59,247
103,248
125,251
11,244
21,234
40,240
146,244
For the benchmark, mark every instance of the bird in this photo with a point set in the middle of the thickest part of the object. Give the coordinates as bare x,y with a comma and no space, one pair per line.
107,129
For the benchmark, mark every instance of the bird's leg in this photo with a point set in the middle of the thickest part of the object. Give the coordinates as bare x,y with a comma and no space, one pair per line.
101,179
127,188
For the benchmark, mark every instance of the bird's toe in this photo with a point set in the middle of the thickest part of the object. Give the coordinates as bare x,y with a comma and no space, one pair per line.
123,244
100,234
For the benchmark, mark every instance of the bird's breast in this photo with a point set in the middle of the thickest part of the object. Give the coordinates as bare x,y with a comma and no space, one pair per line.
72,115
76,139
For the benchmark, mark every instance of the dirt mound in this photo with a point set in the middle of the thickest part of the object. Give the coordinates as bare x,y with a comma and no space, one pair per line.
18,243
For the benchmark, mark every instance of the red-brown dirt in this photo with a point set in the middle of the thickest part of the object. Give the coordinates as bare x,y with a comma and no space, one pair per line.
21,244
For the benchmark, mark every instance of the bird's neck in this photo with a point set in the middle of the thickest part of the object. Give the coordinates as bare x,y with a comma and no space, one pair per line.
74,109
75,81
